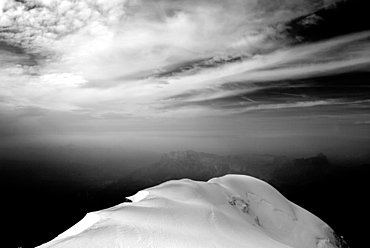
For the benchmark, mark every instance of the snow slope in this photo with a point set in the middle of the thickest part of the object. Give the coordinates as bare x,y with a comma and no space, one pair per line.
230,211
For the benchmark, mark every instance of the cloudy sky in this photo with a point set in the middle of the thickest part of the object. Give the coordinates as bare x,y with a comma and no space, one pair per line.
210,75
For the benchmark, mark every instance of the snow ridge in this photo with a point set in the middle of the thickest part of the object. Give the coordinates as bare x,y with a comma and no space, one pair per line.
230,211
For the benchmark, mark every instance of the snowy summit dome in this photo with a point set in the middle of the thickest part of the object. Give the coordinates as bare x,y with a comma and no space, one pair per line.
230,211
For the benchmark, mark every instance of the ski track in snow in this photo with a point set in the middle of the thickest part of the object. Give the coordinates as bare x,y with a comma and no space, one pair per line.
231,211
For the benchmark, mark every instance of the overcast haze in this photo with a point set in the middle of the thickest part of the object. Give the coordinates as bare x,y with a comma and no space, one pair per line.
287,76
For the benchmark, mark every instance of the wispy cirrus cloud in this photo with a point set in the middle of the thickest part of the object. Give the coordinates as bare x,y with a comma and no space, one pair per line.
145,58
363,122
127,70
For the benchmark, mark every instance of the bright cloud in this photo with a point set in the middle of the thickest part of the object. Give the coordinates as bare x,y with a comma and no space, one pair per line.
158,58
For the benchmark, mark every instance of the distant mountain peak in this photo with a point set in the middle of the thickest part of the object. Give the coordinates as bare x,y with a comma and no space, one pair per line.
184,155
319,159
321,155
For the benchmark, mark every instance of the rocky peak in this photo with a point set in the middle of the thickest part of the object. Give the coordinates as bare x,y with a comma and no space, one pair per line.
181,156
319,160
321,155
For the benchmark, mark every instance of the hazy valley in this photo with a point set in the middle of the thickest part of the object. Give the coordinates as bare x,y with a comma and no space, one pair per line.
38,188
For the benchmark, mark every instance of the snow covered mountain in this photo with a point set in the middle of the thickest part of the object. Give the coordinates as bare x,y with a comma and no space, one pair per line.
231,211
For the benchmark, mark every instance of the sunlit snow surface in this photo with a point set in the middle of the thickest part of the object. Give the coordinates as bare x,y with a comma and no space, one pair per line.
230,211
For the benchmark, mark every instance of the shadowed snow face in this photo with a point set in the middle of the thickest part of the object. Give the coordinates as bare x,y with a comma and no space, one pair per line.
231,211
